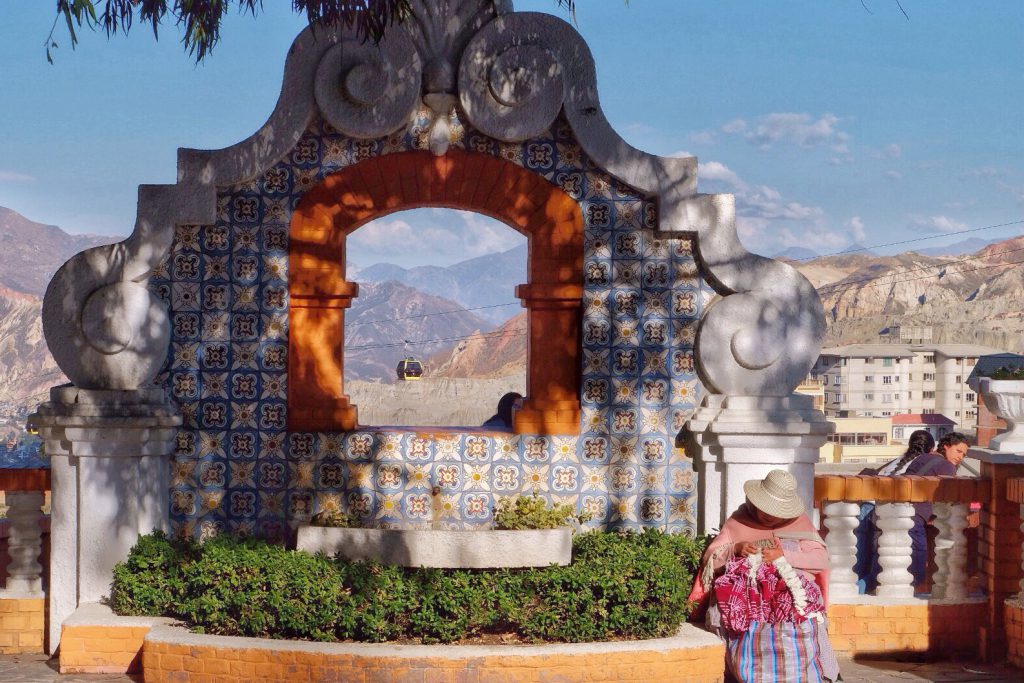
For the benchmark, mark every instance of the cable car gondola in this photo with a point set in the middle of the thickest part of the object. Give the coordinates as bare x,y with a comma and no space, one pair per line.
409,369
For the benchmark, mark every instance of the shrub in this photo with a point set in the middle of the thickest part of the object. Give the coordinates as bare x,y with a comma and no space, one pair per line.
618,586
532,512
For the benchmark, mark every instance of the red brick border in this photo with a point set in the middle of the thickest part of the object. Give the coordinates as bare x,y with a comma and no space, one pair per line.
319,292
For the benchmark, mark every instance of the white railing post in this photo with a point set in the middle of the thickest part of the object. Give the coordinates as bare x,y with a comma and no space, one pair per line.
950,581
24,573
841,520
894,520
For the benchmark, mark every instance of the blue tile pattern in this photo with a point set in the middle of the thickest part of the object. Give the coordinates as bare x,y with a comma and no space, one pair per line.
236,468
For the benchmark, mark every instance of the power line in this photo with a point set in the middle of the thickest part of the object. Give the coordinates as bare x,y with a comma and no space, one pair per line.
489,335
846,284
427,315
916,239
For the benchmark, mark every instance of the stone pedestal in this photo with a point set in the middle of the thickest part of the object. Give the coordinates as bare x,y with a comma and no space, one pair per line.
109,453
737,438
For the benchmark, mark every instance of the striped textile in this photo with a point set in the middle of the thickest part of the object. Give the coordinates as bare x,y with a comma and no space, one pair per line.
791,652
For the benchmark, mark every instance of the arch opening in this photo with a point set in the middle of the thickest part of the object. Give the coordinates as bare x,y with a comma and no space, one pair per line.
321,290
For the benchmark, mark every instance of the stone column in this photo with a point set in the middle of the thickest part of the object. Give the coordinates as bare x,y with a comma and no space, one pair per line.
109,453
841,520
999,544
24,571
894,521
950,581
737,438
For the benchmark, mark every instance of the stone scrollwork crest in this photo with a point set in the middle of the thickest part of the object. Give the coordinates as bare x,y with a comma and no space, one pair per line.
366,90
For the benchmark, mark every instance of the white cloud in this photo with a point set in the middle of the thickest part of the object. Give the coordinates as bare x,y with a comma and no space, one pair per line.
984,173
892,151
15,177
716,170
857,229
798,129
935,224
430,236
755,201
704,137
894,175
735,126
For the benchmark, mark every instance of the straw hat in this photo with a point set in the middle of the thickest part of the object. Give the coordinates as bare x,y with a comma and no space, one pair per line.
776,495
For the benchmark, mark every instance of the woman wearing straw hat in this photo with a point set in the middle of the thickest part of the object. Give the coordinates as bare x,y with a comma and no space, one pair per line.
769,599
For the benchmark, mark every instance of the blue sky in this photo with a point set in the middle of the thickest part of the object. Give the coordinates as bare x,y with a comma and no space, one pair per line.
833,122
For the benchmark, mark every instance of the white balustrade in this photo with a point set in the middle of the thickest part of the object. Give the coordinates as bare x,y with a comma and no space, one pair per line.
894,520
841,520
950,581
24,571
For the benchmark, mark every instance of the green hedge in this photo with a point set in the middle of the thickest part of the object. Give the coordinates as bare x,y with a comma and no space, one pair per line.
618,586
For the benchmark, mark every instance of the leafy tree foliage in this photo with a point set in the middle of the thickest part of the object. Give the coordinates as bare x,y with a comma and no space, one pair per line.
201,19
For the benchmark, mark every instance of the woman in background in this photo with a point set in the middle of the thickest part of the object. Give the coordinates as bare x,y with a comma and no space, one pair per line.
867,567
507,405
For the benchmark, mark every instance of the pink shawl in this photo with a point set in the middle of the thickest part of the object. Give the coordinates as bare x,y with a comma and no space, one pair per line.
803,547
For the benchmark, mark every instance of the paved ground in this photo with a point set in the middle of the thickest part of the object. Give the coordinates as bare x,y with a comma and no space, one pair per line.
36,669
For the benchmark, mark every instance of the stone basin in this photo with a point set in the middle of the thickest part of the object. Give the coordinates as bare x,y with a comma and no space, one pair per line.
441,548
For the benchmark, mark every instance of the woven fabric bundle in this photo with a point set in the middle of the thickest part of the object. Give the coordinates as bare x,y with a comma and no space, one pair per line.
750,592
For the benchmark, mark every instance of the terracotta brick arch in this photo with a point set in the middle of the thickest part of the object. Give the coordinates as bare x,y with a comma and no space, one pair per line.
320,293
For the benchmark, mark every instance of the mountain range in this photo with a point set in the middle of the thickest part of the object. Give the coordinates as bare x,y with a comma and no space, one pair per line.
463,320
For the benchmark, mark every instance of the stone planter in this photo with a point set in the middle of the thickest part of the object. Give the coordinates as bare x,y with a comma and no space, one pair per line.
470,549
1005,399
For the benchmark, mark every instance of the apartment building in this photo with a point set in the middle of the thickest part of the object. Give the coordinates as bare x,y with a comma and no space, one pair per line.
881,380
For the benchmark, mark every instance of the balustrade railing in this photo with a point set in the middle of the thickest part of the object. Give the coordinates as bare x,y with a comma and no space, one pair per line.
841,499
24,492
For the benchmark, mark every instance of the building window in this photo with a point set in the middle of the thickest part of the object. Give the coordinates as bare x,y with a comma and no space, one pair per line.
929,377
839,380
958,396
886,413
971,362
959,379
887,362
869,361
930,359
886,379
971,397
928,411
971,413
886,398
928,394
869,378
956,413
910,395
869,397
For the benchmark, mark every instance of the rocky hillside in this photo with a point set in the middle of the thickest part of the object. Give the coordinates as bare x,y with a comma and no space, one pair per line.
386,315
32,252
27,370
488,280
965,299
499,353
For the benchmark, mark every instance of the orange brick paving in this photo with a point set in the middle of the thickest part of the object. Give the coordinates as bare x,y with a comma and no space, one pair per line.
22,622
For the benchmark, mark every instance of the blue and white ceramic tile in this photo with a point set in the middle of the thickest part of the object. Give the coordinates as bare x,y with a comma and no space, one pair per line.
237,469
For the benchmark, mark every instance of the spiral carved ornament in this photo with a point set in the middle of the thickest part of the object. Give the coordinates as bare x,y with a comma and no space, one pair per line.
764,333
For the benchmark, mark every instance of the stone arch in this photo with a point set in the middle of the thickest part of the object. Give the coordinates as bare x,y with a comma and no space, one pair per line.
319,292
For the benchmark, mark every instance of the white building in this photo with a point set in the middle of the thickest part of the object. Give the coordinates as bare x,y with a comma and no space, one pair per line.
880,380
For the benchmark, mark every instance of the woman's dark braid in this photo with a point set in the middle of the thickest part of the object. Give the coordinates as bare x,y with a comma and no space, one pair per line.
921,442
